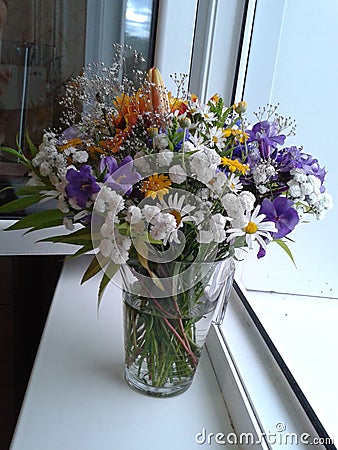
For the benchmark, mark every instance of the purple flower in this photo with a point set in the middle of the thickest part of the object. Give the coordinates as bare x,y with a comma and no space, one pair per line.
281,212
70,133
81,184
289,158
292,158
265,134
311,166
119,177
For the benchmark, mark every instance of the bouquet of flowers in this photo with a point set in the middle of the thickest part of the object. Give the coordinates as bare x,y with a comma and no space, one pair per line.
142,177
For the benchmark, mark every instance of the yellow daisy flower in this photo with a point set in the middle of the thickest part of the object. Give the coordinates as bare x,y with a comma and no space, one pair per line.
233,165
156,186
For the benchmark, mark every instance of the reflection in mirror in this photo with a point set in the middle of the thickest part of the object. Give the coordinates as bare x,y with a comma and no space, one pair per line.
43,44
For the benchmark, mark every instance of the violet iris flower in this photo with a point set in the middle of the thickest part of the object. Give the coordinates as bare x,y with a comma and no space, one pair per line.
265,134
281,212
311,167
293,158
289,158
81,184
119,177
70,133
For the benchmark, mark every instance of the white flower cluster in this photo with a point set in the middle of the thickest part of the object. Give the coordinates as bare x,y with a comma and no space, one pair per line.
262,174
306,189
48,159
51,162
114,245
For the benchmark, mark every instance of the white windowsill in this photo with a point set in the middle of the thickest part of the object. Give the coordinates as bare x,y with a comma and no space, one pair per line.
77,397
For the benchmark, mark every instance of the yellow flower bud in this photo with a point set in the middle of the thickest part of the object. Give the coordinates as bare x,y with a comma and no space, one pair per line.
240,107
158,93
152,131
185,122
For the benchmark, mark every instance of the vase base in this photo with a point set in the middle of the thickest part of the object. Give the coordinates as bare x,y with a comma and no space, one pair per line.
154,391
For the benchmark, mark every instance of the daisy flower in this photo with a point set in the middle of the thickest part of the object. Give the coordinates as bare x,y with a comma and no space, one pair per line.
175,206
254,229
234,164
156,186
204,111
216,137
234,184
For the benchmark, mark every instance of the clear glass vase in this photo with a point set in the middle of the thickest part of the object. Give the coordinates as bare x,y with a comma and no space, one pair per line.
166,322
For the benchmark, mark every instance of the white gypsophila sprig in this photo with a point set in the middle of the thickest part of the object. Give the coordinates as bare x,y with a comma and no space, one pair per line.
116,247
247,200
164,158
262,175
204,164
108,200
213,230
306,188
233,207
163,226
177,174
217,184
134,214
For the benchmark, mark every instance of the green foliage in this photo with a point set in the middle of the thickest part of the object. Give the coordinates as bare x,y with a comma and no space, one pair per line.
108,274
286,248
20,203
38,220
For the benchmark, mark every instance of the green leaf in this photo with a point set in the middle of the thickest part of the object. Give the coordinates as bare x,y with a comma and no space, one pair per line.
286,248
96,265
107,276
30,190
39,220
84,249
20,203
32,148
16,153
72,238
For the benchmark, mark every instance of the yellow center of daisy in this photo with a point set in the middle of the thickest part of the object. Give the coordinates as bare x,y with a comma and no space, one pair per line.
177,216
251,228
156,186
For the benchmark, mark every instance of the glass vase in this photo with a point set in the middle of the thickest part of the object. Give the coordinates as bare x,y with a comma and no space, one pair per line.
166,322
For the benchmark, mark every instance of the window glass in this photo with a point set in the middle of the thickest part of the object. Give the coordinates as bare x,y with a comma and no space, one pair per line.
41,50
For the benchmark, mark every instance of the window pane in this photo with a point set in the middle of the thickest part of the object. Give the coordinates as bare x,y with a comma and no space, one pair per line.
44,43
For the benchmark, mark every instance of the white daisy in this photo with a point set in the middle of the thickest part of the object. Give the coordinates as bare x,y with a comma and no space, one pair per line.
181,212
233,183
216,137
254,230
